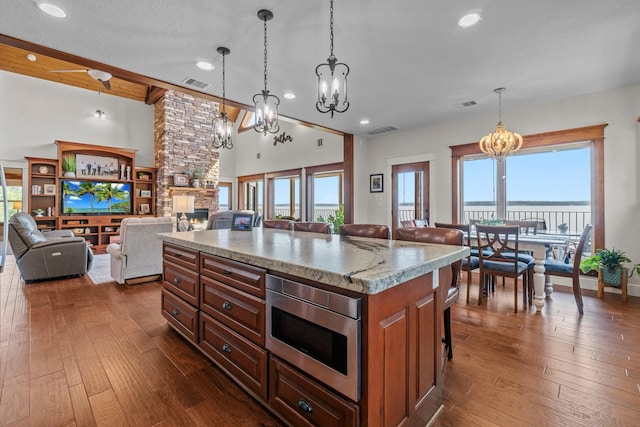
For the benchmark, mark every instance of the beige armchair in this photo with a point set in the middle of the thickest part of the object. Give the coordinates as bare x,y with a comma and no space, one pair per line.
46,255
138,256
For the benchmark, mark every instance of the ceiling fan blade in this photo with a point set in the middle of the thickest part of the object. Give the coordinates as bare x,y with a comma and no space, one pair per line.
68,71
106,84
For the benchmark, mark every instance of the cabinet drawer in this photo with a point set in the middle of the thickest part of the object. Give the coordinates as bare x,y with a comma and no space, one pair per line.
243,313
237,275
186,258
182,282
303,402
241,358
180,315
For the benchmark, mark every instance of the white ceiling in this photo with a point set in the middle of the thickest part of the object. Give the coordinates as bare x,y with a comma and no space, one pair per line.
410,62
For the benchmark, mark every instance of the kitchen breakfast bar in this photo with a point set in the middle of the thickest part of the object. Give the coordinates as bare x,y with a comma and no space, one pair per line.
323,330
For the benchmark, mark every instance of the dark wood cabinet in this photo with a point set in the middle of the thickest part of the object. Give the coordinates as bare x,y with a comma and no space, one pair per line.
304,402
400,347
242,359
181,290
238,310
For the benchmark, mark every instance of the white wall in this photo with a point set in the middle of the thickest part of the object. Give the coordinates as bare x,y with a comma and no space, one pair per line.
619,108
300,152
34,113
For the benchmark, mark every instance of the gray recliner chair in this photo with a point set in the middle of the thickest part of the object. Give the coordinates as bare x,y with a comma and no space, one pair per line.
46,255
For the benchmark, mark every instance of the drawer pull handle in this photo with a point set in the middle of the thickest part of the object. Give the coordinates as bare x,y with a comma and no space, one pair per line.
176,312
226,305
176,280
226,348
304,406
227,272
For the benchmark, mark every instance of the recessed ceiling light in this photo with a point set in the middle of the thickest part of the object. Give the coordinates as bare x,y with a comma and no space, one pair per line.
52,10
31,57
469,20
364,121
204,65
289,95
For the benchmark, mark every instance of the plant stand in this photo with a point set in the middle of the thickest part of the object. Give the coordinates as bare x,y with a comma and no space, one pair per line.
622,284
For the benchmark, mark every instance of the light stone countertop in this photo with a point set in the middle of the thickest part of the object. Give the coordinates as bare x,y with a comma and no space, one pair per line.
368,266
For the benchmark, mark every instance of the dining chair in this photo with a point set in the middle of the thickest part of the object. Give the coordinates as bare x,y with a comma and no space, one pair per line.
312,227
472,262
444,236
553,267
375,231
280,224
494,242
526,227
421,222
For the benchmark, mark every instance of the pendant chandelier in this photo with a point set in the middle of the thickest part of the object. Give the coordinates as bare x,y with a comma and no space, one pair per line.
332,80
266,106
222,128
500,143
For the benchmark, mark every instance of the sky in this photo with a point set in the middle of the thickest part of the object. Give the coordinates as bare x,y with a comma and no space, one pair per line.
550,176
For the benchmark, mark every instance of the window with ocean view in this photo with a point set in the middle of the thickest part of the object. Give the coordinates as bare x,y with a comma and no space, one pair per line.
327,195
552,186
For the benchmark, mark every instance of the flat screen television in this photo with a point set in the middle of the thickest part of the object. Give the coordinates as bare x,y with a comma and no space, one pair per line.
95,198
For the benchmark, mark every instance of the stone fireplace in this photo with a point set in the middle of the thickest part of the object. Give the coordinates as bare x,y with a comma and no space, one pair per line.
183,143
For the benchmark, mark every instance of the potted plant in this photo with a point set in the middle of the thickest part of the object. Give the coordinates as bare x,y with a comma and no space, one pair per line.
611,265
196,175
69,166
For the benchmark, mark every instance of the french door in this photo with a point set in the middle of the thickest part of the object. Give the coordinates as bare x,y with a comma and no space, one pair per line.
410,193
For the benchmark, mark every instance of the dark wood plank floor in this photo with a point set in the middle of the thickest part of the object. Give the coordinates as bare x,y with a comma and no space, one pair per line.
73,353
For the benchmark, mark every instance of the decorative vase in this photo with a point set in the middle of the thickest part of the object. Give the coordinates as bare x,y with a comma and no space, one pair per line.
70,174
563,228
195,183
613,277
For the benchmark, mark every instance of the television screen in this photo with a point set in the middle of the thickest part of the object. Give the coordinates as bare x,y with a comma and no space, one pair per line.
95,197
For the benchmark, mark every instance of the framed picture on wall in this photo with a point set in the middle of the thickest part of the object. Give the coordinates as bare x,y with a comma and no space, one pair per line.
145,193
375,183
180,180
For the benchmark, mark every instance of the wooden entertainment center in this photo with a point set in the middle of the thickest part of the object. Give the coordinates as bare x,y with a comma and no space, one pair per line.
96,164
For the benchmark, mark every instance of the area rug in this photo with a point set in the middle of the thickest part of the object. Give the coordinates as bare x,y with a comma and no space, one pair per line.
100,271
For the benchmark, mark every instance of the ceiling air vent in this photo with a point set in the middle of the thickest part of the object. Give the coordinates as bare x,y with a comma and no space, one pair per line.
378,131
195,83
466,104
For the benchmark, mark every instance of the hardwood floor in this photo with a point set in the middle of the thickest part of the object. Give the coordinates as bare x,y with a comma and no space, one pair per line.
73,353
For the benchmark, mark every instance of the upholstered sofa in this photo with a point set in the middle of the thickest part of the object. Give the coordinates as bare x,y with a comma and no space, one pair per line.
139,254
46,255
222,219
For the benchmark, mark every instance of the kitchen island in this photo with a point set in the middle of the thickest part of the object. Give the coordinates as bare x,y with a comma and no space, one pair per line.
215,294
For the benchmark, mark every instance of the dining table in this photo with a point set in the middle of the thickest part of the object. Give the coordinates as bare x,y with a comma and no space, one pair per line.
538,245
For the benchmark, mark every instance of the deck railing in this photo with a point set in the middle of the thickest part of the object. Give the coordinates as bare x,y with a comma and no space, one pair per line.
549,220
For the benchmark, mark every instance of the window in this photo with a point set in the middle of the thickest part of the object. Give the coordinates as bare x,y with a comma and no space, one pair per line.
556,178
325,191
251,193
552,186
284,195
14,193
224,196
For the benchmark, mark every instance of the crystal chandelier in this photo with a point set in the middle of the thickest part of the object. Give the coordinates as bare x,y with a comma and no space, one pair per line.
500,143
266,105
222,128
332,80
